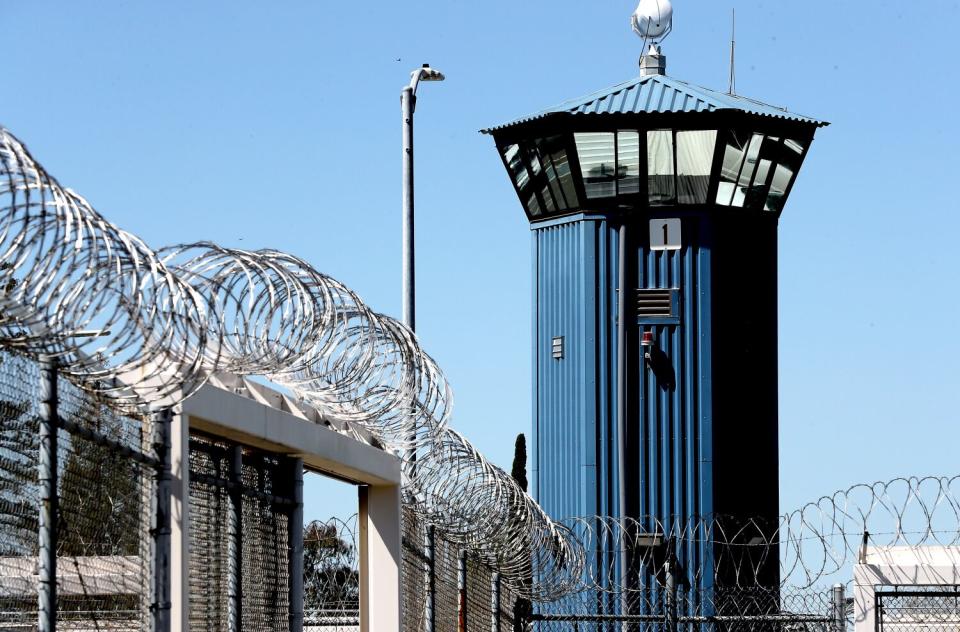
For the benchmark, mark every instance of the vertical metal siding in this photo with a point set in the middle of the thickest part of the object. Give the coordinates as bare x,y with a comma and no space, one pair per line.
704,341
673,473
534,447
669,432
566,397
607,465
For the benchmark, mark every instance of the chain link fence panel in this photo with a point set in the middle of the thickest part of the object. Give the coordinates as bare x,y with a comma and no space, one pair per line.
447,589
240,501
106,495
19,490
918,609
106,470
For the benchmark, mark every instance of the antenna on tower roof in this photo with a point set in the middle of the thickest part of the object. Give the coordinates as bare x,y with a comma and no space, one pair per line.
652,21
733,59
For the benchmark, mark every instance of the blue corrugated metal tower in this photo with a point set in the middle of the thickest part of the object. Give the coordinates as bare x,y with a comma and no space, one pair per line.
653,207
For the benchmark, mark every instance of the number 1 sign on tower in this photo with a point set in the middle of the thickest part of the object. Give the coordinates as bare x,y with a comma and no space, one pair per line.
665,234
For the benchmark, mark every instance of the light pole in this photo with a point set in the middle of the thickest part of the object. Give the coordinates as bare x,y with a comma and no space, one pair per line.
408,103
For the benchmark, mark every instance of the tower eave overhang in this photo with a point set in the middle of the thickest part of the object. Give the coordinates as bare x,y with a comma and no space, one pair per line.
656,95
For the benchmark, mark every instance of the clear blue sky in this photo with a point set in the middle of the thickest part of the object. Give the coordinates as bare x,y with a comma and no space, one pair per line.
260,124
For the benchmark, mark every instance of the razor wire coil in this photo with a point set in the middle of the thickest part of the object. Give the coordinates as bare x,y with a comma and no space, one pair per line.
143,328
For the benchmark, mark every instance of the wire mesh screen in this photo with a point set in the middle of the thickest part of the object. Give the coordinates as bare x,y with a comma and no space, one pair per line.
106,501
919,609
19,493
748,610
507,605
105,492
209,505
239,548
445,589
266,553
478,595
446,599
415,573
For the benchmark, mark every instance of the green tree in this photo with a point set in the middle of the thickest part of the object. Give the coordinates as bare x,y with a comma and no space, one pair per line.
522,608
330,579
519,470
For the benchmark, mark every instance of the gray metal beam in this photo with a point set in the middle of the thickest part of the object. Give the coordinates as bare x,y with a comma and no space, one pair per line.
295,545
162,524
235,544
49,505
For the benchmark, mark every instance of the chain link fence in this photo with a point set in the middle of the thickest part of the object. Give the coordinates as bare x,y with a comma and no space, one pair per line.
753,609
85,518
241,507
445,588
19,490
84,561
918,608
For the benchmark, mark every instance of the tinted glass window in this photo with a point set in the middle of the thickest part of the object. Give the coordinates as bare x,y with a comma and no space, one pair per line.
518,171
694,161
628,163
597,163
733,153
747,170
660,182
553,155
778,188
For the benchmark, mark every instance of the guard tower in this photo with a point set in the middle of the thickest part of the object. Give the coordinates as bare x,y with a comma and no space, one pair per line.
653,207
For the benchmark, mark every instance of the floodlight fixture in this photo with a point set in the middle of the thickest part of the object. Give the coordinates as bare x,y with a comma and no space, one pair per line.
424,73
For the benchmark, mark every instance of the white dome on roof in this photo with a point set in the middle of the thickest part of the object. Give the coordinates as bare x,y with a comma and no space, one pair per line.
652,19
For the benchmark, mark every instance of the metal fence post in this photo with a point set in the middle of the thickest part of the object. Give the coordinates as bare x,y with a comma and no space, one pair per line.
670,592
431,579
49,505
161,526
295,543
462,589
839,604
496,602
235,541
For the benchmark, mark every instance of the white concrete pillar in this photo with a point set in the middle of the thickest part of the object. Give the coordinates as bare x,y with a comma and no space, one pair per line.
180,533
380,539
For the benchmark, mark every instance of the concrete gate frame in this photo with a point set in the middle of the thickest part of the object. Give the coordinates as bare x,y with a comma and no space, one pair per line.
253,415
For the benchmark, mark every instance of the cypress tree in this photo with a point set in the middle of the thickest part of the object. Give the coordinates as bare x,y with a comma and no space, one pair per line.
522,608
519,471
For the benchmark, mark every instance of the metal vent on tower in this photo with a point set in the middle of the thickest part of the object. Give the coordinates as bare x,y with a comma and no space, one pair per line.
556,348
658,305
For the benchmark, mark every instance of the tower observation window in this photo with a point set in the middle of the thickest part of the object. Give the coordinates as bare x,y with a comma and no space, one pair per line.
757,170
694,162
628,169
628,163
661,186
610,162
598,163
